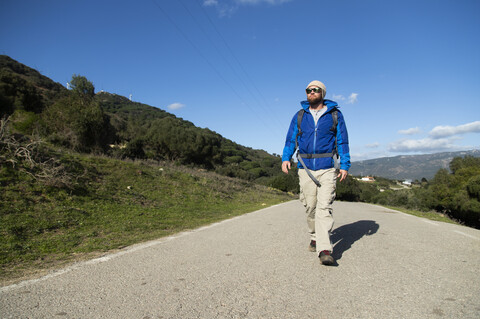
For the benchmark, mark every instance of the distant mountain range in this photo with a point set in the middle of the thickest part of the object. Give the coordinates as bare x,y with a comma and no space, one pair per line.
414,167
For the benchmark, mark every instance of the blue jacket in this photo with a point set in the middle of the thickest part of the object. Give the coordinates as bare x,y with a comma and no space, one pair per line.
319,139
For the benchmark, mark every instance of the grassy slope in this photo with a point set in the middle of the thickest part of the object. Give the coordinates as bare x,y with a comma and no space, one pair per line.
114,204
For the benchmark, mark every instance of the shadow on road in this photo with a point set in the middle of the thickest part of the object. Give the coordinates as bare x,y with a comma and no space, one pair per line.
344,236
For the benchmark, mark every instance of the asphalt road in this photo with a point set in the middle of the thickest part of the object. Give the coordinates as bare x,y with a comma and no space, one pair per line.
389,265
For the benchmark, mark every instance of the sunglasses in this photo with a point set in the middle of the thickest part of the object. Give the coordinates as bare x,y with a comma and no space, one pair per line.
314,90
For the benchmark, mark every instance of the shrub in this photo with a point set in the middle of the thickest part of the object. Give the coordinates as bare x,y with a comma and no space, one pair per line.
348,190
28,155
457,194
134,149
285,182
473,187
79,124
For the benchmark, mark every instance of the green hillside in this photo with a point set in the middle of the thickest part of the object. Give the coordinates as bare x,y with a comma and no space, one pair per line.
110,124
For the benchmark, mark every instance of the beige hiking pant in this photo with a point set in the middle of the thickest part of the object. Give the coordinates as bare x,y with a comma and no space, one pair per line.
318,202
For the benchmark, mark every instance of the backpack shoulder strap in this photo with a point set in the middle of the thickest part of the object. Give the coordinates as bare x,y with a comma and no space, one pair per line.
299,129
335,121
334,129
299,120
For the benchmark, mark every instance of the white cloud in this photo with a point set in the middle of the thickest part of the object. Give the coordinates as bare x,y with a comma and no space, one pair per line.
352,98
373,145
410,131
176,106
228,7
261,1
210,3
446,131
223,9
425,145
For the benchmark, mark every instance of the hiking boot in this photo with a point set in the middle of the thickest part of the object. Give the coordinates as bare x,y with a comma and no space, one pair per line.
312,246
326,258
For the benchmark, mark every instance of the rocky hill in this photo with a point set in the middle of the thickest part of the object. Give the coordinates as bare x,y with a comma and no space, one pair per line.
414,167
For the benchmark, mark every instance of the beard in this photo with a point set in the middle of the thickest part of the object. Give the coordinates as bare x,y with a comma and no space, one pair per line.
314,99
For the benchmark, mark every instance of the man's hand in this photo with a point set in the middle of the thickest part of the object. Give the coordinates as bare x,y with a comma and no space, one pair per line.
343,174
286,165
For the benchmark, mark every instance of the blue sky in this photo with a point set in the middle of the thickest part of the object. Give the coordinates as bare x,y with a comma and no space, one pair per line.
406,74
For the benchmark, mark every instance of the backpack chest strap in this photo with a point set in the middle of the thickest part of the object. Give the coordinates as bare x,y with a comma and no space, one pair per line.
315,155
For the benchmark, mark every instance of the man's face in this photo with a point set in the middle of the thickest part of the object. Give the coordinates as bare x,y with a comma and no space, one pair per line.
314,97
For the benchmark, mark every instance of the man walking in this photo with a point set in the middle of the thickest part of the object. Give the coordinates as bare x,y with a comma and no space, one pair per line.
319,132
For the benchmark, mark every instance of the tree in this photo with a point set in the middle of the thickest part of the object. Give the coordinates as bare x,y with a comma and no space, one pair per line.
82,86
78,121
466,166
134,149
473,187
457,194
286,183
18,94
348,190
442,190
172,139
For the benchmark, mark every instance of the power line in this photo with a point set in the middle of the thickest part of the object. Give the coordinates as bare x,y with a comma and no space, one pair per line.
218,50
238,62
206,60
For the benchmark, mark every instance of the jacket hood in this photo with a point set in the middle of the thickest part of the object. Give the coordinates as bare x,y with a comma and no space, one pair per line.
329,103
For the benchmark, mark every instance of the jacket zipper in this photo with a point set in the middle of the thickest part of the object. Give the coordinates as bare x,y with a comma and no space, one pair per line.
315,146
315,140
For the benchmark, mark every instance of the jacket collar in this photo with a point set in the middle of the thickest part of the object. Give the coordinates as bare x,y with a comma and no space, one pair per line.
329,103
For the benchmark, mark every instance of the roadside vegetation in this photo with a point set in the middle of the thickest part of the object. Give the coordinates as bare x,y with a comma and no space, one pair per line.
453,194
